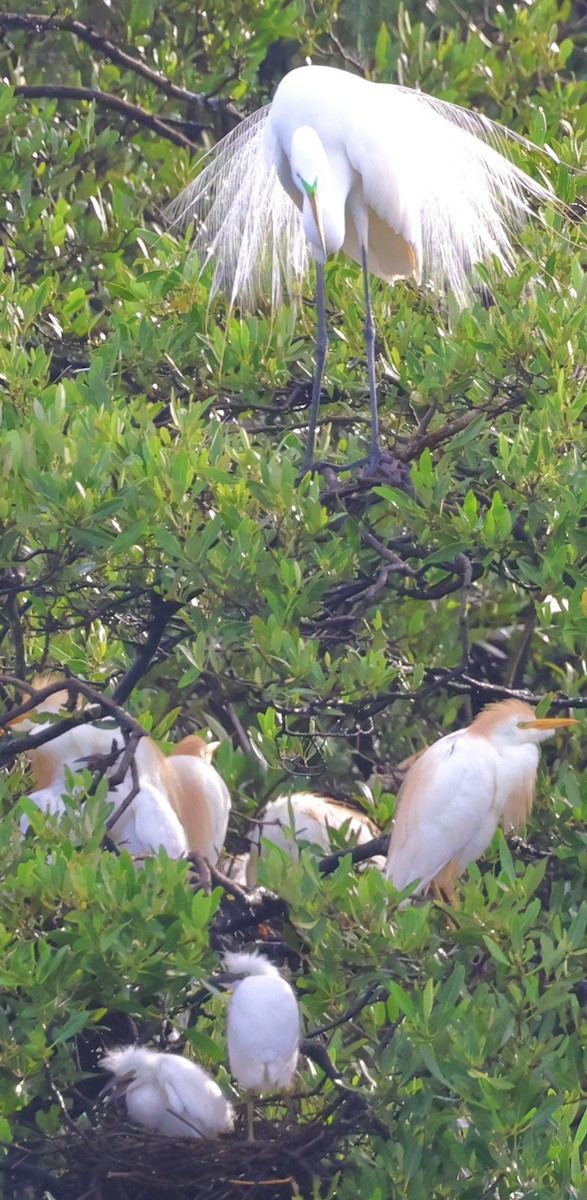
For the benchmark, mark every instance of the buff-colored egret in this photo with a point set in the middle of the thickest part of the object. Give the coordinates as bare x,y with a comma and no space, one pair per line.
303,817
263,1027
199,795
168,1094
409,186
182,803
460,789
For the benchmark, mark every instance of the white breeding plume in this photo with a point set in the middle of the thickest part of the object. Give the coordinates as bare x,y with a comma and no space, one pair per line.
407,185
458,792
303,817
263,1027
168,1094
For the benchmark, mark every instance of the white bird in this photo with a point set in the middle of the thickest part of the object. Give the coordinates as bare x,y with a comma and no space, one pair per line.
460,789
407,185
199,795
169,1094
182,803
263,1027
148,824
302,817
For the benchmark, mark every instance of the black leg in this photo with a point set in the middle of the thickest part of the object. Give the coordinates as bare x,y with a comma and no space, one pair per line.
370,348
321,348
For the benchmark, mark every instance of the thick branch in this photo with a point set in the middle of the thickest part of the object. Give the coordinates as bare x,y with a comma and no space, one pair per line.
39,23
429,440
99,706
132,112
377,845
163,611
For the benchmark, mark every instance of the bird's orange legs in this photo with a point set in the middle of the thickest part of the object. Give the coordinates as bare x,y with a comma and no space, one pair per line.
443,887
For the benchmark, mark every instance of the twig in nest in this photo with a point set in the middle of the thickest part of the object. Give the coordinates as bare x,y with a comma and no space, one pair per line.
116,1161
128,799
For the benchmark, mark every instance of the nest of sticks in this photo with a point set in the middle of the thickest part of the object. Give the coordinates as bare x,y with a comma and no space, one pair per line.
112,1160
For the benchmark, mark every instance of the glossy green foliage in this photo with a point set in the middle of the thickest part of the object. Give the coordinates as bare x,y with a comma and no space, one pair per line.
149,446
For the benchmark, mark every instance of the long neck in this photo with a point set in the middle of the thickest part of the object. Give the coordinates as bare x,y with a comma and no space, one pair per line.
329,176
333,189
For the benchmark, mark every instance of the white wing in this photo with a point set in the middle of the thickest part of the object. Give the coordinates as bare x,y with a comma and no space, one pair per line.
49,800
148,824
243,218
471,198
195,1098
302,817
432,172
263,1032
446,810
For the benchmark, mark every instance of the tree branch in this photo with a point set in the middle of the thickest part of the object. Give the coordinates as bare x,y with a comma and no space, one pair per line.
206,106
163,611
99,706
358,854
132,112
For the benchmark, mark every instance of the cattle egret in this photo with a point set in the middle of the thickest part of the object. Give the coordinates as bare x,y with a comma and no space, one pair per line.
408,186
199,796
148,824
263,1028
168,1094
182,803
302,817
460,789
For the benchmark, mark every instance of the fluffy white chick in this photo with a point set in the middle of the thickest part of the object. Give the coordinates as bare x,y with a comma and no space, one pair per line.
263,1027
169,1094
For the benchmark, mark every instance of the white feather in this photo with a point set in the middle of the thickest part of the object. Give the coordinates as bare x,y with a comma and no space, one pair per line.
302,817
148,824
433,173
263,1027
169,1094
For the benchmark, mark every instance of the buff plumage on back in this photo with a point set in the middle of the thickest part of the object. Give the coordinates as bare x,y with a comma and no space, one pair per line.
54,703
199,795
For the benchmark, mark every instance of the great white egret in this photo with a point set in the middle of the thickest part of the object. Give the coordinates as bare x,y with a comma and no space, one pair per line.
263,1027
304,817
407,185
460,789
182,803
168,1094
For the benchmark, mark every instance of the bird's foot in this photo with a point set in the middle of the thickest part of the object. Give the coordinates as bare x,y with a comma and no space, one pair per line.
382,467
199,874
378,466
